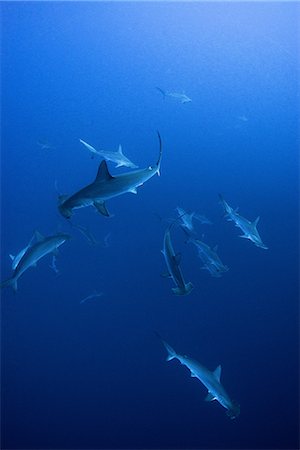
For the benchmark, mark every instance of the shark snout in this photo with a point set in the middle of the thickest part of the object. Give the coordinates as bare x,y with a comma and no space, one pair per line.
65,212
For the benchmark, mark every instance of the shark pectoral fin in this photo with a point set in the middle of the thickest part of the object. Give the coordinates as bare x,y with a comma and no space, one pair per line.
177,258
101,208
55,252
133,190
12,257
244,236
166,275
209,397
217,373
103,173
12,282
38,236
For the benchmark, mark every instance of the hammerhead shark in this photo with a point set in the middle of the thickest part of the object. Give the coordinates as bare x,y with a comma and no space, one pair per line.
106,186
117,157
174,270
209,257
38,247
211,380
248,228
182,98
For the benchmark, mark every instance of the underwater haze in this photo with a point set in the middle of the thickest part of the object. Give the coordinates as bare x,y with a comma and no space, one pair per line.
82,366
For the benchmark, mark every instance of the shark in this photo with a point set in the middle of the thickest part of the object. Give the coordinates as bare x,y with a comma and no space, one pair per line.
38,247
210,258
211,380
90,148
248,228
106,186
182,98
174,271
117,157
44,145
187,219
87,234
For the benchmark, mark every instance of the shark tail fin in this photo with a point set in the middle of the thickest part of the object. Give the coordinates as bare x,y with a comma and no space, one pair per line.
12,282
161,91
171,352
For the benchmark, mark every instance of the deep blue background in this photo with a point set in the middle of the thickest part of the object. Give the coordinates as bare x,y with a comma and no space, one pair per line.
93,375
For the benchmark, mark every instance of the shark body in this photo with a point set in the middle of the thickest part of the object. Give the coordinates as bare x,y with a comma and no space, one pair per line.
182,98
117,157
248,228
107,186
210,258
174,270
38,247
211,380
187,219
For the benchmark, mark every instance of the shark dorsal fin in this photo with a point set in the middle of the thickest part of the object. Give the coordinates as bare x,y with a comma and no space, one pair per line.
103,173
217,372
38,236
120,149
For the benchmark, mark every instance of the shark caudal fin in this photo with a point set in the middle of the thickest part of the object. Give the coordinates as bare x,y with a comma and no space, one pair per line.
171,352
11,282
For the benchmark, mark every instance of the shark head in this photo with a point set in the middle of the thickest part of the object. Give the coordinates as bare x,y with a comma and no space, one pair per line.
65,212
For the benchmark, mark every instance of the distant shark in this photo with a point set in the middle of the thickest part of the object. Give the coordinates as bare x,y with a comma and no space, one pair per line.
248,228
174,270
211,380
117,157
38,247
106,186
187,219
178,96
209,257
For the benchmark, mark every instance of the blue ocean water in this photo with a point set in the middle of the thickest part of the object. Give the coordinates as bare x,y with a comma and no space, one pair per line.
93,374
